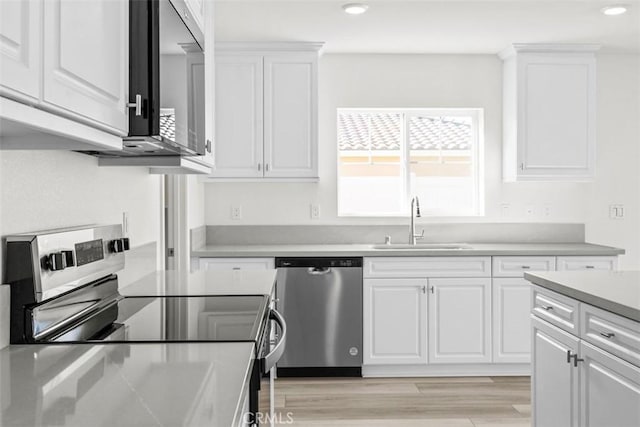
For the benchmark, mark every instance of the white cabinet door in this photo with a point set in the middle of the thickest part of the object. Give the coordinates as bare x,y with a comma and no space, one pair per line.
511,321
610,389
555,380
460,320
237,263
20,48
196,7
395,321
550,113
86,57
291,134
238,144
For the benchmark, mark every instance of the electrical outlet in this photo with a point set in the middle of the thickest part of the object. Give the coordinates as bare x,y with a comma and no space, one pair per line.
616,211
530,210
236,212
546,211
125,223
505,210
315,211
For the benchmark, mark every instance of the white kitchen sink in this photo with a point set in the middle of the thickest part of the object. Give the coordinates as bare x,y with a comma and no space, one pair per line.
423,246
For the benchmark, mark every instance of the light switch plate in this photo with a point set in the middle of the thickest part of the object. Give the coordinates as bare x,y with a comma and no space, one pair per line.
616,211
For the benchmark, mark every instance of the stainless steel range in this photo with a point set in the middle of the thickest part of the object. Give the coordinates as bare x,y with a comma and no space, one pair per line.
64,289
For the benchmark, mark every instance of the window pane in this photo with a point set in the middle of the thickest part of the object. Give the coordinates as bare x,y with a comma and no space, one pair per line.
370,164
441,164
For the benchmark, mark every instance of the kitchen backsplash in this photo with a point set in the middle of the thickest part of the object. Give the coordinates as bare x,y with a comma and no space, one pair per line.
139,262
349,234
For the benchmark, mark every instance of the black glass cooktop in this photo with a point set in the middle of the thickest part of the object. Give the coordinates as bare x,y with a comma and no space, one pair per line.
173,319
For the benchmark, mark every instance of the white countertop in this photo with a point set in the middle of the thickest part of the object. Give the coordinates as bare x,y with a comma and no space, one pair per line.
614,291
210,282
476,249
187,384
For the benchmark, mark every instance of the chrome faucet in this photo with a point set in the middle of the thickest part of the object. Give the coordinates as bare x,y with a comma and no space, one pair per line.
415,202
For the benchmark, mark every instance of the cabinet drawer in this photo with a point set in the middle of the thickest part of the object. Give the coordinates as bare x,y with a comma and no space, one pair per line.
237,263
516,266
427,267
615,334
587,263
556,309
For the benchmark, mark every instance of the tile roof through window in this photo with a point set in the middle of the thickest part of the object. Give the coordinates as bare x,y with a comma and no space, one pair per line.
381,131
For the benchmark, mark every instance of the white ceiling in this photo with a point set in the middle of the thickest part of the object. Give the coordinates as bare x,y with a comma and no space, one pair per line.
430,26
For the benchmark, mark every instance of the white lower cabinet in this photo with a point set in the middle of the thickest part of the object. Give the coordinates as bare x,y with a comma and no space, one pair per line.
395,321
575,383
610,389
554,389
511,329
459,320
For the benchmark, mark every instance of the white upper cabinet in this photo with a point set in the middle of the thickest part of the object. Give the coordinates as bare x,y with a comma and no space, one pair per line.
64,74
291,116
197,11
86,57
549,112
20,49
239,117
266,114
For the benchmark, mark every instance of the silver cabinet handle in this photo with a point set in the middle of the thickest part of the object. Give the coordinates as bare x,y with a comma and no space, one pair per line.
547,307
569,356
432,289
137,105
589,266
576,360
526,267
266,167
608,334
270,360
208,145
424,289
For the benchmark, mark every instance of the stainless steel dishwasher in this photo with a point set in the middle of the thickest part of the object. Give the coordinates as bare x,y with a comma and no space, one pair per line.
321,299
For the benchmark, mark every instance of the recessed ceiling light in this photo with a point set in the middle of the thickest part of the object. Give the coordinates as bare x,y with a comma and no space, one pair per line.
355,8
613,10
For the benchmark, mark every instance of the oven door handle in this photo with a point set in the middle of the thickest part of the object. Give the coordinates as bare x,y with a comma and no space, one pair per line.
270,360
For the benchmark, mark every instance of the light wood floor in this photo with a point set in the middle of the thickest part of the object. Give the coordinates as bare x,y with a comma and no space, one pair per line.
404,402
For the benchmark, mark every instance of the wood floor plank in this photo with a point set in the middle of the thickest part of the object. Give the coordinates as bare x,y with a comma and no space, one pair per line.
523,409
361,387
501,422
423,422
405,401
505,393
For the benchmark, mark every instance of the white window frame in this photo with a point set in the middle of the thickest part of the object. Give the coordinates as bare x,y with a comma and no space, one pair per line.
477,155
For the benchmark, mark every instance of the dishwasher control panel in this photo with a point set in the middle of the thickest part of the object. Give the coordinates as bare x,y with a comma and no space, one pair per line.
318,262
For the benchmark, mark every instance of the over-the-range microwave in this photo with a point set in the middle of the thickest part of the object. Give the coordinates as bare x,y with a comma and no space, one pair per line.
166,82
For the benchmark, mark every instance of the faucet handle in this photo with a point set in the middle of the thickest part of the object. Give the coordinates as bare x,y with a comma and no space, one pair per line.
387,240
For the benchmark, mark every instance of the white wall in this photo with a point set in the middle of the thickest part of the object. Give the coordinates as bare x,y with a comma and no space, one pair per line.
354,80
52,189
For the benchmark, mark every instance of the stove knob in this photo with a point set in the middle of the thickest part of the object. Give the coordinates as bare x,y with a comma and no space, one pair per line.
116,246
54,261
68,258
